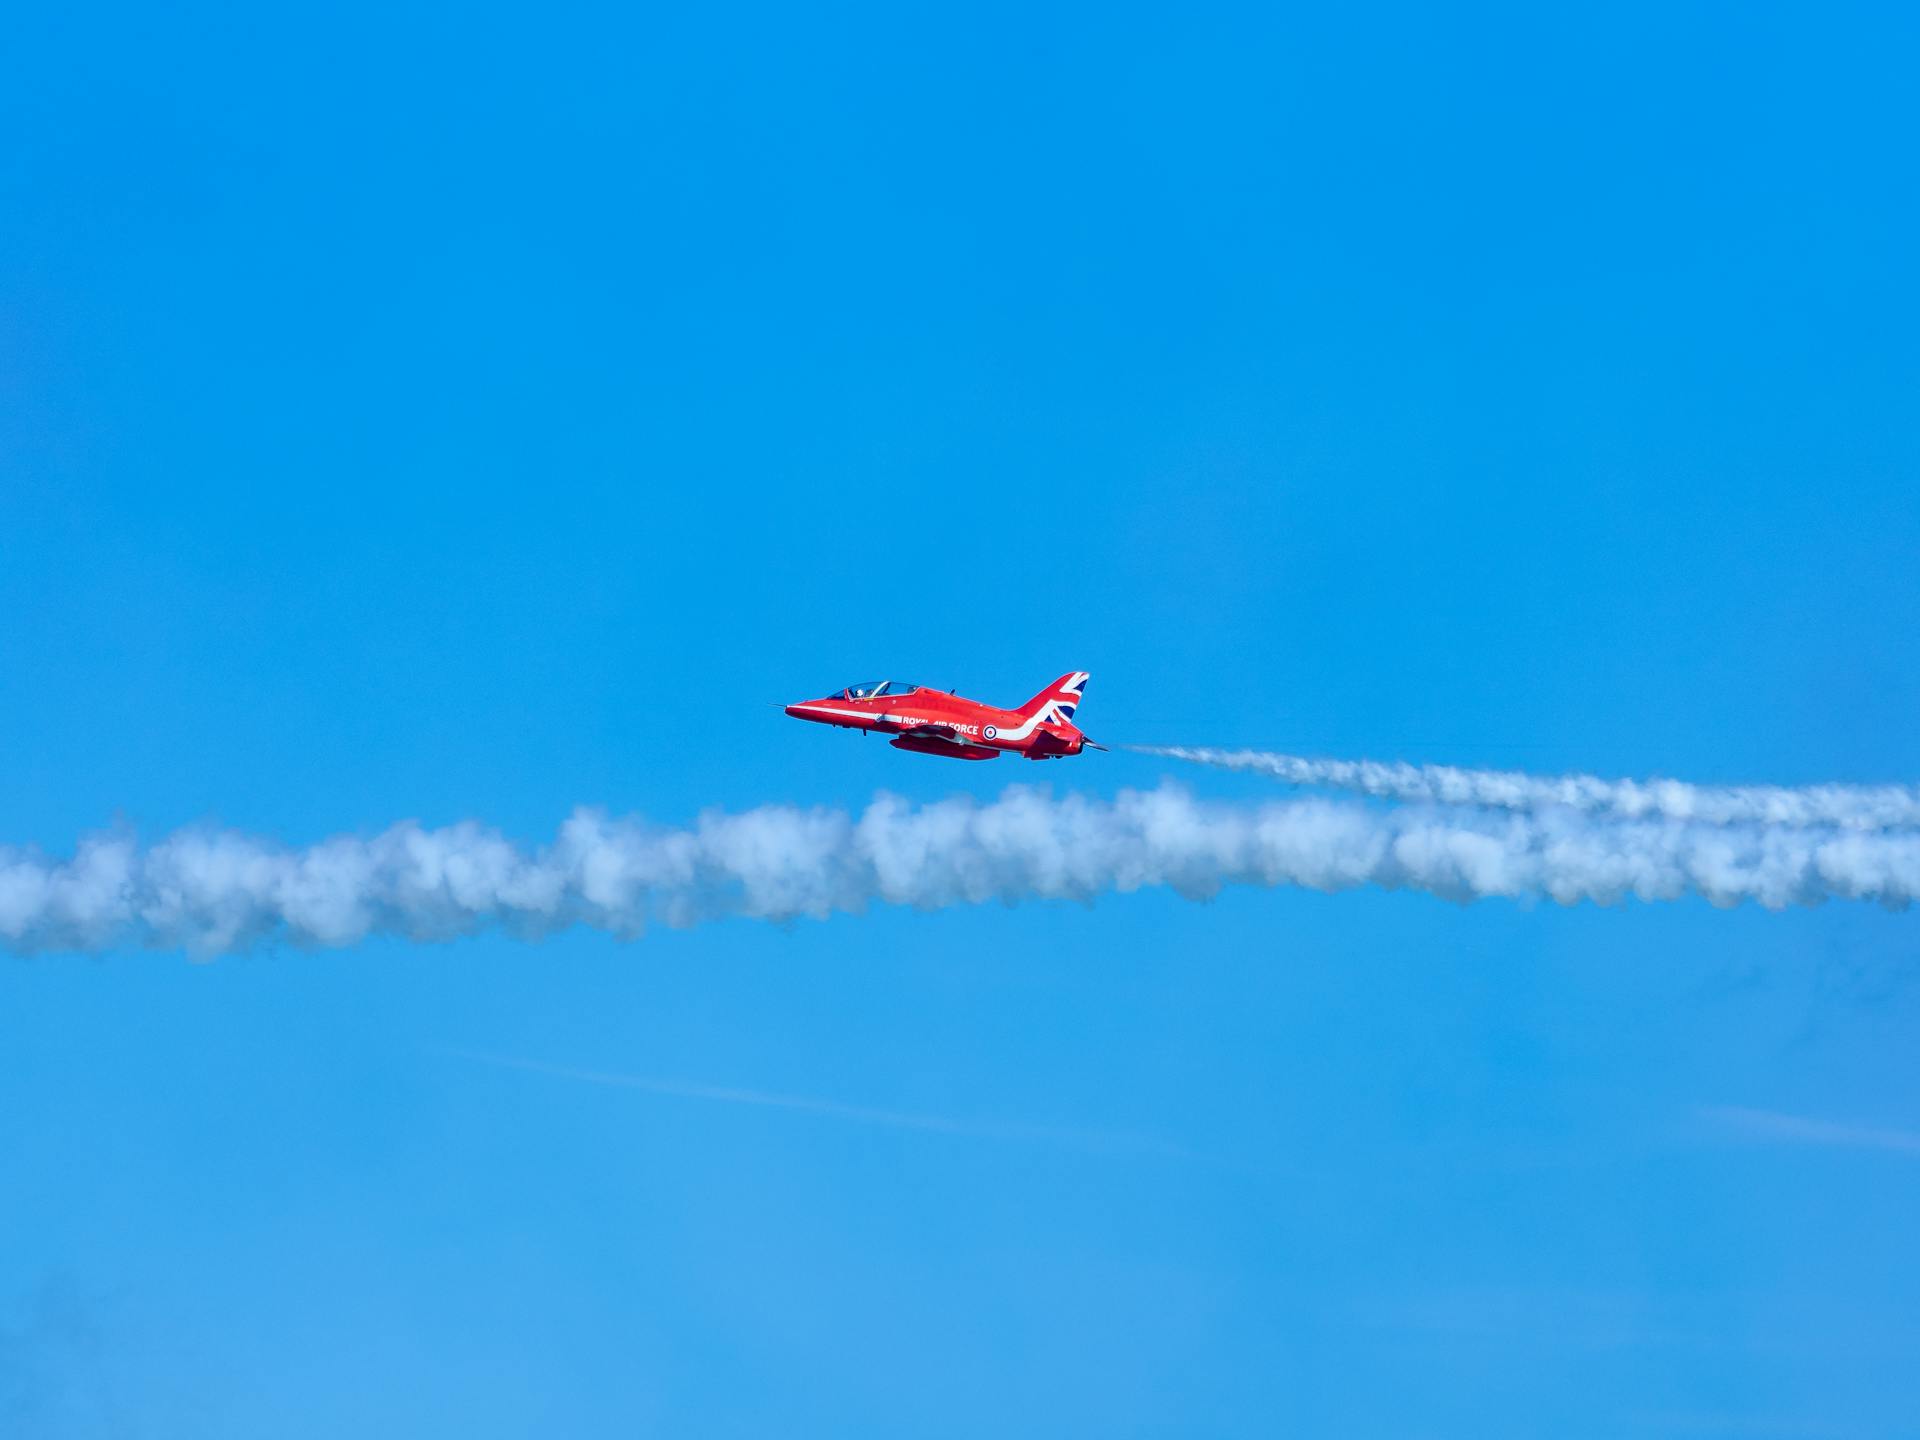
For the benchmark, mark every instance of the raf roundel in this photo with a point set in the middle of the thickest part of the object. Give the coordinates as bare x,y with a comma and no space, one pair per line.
992,732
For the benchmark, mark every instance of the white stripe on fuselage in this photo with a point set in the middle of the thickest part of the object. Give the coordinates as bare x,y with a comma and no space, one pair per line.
1048,713
812,710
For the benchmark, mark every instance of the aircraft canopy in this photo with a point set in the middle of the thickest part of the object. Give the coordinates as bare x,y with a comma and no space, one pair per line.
873,688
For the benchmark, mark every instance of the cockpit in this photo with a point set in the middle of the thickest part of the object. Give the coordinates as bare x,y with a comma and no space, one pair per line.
874,689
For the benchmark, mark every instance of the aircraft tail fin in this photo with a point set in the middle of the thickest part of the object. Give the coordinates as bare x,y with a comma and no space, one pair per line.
1063,696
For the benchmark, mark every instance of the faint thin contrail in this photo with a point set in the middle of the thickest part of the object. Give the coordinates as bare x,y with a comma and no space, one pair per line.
216,891
1848,807
1804,1130
862,1114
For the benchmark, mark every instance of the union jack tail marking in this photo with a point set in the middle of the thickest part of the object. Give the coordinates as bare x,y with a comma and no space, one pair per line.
1056,703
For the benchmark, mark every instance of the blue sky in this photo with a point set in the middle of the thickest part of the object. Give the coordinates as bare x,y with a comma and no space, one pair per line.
409,414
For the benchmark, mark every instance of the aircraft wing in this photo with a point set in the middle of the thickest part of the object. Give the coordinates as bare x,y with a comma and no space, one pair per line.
943,740
938,732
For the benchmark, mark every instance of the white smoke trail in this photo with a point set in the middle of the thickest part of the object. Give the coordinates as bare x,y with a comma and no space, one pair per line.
215,891
1849,807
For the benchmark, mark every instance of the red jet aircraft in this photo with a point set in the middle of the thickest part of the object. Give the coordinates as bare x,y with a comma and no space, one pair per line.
933,722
